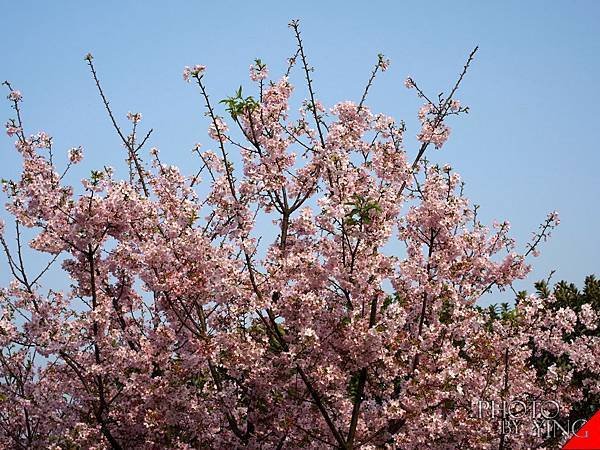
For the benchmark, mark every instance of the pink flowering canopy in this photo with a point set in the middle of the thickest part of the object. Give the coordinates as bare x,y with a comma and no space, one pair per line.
182,328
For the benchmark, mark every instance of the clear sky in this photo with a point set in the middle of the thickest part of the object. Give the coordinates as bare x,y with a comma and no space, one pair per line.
529,145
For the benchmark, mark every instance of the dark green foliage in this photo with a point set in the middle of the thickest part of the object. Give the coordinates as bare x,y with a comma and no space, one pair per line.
502,311
353,387
446,312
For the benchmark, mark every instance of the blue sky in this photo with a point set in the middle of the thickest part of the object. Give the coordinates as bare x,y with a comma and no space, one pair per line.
529,145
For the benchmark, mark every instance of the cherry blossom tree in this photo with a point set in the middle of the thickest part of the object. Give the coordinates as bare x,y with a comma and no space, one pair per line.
182,328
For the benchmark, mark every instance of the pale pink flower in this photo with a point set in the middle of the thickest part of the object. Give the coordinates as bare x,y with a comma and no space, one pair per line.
11,130
193,72
554,218
15,96
217,130
588,317
258,71
43,140
455,105
76,155
134,117
383,63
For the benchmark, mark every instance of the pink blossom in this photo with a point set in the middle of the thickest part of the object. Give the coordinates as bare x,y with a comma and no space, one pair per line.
76,155
42,140
588,317
193,72
383,63
436,135
218,130
15,96
433,130
258,71
11,130
134,117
